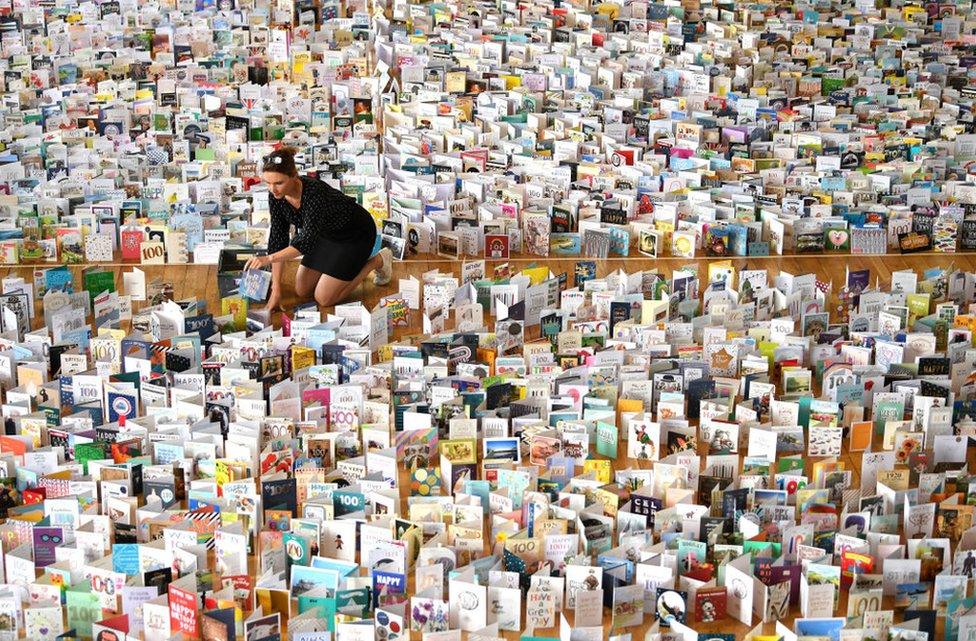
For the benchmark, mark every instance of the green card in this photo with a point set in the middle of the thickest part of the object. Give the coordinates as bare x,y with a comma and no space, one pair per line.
84,607
94,451
606,439
99,282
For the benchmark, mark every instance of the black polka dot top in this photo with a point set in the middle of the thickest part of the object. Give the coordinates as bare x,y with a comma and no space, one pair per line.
325,213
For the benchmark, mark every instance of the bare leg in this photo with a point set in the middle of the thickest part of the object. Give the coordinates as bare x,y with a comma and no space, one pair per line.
371,265
331,291
305,281
328,290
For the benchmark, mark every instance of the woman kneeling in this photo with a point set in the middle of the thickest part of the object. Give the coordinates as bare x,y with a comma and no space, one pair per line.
336,238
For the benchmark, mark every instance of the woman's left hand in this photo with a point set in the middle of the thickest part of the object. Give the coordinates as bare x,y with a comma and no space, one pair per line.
257,262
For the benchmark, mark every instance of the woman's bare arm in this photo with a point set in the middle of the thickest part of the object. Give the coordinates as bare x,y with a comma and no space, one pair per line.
283,256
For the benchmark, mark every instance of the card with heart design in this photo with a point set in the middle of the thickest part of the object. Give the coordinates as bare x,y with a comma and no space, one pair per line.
868,240
43,623
837,239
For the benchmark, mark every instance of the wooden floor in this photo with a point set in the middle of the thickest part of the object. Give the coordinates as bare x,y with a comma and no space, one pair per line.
200,281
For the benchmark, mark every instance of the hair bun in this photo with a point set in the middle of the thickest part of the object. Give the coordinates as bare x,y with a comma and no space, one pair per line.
281,160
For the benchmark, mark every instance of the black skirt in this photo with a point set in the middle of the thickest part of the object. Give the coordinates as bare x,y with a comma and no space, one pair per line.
341,260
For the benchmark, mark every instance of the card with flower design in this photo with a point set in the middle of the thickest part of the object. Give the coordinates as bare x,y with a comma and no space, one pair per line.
429,615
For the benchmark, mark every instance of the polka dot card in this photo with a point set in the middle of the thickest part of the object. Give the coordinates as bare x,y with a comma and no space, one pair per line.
425,482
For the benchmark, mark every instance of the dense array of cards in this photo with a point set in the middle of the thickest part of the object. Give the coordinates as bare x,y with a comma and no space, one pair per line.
137,133
670,454
702,454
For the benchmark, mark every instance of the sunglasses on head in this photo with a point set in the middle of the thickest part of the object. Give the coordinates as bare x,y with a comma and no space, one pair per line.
272,159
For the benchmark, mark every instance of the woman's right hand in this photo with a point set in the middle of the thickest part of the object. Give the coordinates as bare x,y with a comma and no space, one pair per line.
257,262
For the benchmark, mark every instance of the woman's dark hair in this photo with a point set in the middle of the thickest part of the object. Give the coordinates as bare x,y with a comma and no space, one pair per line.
281,161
